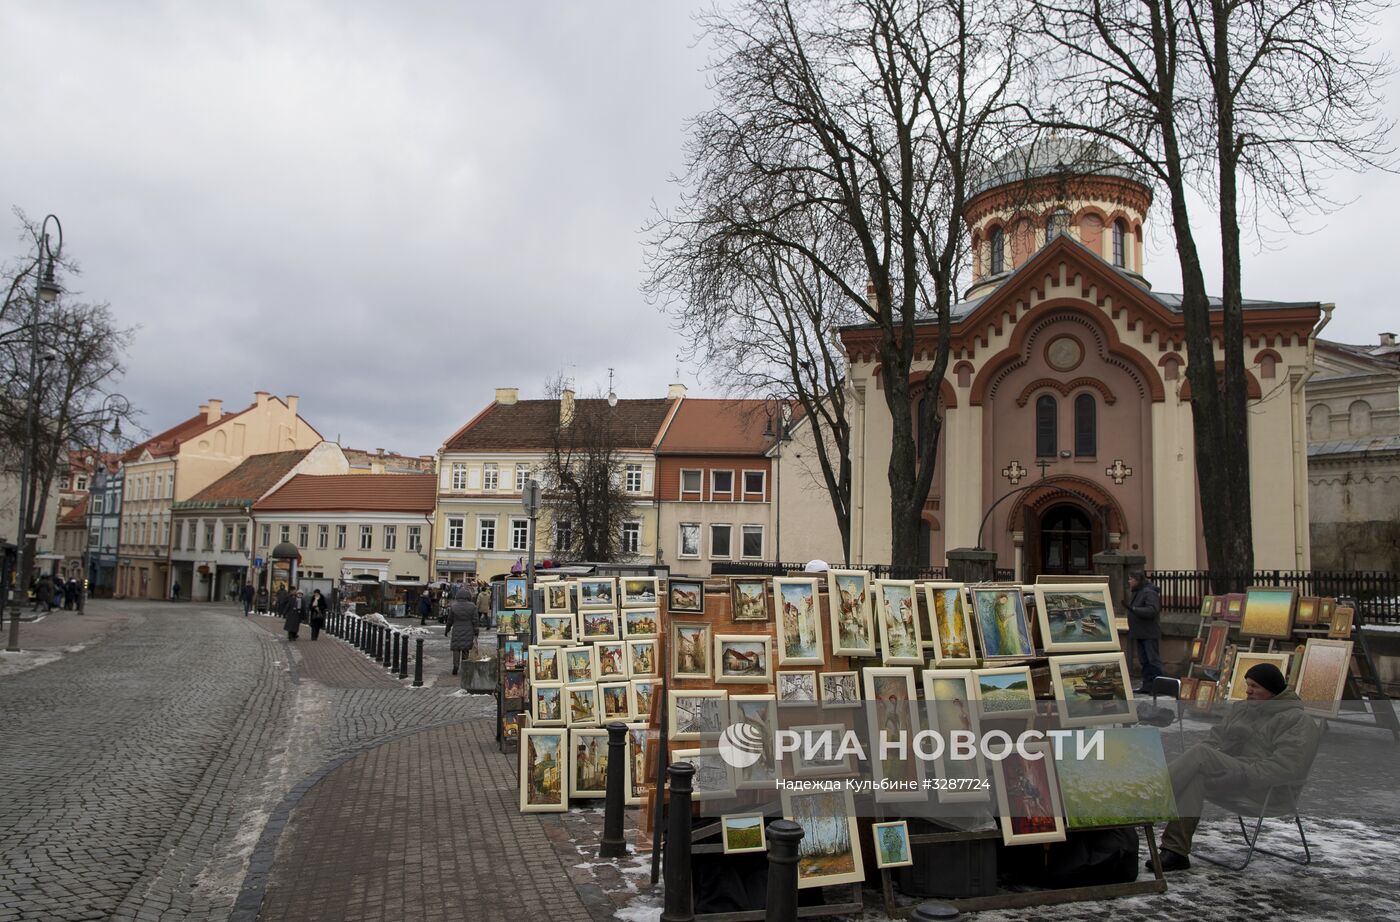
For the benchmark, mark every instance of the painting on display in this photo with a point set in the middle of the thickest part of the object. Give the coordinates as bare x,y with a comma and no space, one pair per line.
1076,618
951,623
615,699
892,848
1245,661
901,642
1001,621
640,592
544,664
892,715
819,760
949,696
748,598
742,833
557,629
755,718
558,597
599,625
513,689
1234,607
840,689
513,654
799,622
714,777
1204,698
639,737
829,851
690,650
1341,623
1323,675
1307,611
581,705
697,714
1005,692
588,763
1268,612
797,685
642,658
1213,656
685,596
517,593
852,627
1129,785
580,665
547,704
1207,607
1092,688
543,773
597,592
743,658
640,623
612,659
643,692
1028,797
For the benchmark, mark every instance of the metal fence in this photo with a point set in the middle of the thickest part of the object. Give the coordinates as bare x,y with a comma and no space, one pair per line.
879,570
1374,594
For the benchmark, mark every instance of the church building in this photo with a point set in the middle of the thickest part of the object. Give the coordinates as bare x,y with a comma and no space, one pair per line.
1067,371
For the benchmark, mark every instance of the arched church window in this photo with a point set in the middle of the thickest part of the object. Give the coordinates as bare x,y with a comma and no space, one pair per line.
1120,244
1086,426
1360,423
1320,423
1056,224
998,245
1046,423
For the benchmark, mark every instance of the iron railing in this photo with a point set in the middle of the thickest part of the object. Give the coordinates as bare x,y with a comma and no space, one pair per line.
1374,594
779,568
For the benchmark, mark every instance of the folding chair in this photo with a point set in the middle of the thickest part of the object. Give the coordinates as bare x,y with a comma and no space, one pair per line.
1280,800
1169,687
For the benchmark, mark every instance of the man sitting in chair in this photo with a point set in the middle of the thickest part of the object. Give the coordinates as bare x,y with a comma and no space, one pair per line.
1264,741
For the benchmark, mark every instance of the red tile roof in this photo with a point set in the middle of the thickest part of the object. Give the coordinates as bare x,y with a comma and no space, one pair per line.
77,515
168,442
529,425
353,493
248,482
718,427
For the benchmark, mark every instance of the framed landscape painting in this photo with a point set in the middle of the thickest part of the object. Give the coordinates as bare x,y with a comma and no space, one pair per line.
1245,661
612,660
558,597
517,593
547,704
951,622
714,777
597,592
1323,675
852,627
799,622
580,665
556,629
1001,621
797,685
1129,785
641,696
743,659
642,658
697,714
1005,692
685,596
829,851
756,718
581,705
901,641
1092,688
544,664
690,650
640,592
1307,611
748,597
588,763
892,844
1076,618
615,699
599,625
840,689
742,833
1028,797
1268,612
543,770
640,624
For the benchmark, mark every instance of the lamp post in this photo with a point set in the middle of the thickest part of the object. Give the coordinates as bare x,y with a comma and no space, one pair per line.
530,501
46,291
118,406
776,408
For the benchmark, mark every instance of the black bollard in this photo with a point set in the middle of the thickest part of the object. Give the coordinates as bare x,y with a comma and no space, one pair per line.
680,896
392,663
418,665
403,658
378,651
783,839
613,844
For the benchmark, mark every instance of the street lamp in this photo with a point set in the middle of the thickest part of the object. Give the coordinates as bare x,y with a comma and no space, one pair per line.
776,429
118,406
46,291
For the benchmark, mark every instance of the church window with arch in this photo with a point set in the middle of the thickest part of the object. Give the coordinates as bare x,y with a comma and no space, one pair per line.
1120,244
1046,426
996,240
1086,426
1056,224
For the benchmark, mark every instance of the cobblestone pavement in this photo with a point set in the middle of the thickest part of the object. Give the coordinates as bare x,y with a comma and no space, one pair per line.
60,632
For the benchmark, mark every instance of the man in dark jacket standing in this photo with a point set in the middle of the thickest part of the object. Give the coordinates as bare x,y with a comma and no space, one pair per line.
246,594
1267,740
1144,608
290,611
461,623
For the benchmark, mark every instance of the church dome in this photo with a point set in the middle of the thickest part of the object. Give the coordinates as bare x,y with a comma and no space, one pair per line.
1055,157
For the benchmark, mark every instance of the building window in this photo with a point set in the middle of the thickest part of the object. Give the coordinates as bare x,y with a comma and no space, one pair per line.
415,538
1359,418
1120,241
997,240
690,540
170,484
719,541
366,537
243,537
691,483
1057,224
267,536
303,536
340,537
179,534
456,532
486,533
490,477
634,478
82,481
97,503
753,542
519,534
1086,426
323,536
754,484
459,476
228,537
631,537
563,535
721,483
391,537
284,534
1046,423
208,536
522,474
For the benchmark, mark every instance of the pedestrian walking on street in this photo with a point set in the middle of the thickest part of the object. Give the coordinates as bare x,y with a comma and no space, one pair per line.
175,591
425,606
262,601
291,614
70,594
1144,608
461,624
483,602
247,595
317,609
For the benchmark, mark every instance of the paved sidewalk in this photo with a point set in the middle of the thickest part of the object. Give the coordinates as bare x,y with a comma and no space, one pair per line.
62,632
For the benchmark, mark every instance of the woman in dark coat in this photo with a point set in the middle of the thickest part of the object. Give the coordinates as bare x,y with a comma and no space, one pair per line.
461,624
317,607
291,613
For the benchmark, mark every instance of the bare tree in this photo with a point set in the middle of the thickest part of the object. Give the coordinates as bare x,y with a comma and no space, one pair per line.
840,148
583,479
1248,103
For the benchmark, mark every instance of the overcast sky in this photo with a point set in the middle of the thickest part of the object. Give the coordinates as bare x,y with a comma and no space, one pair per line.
392,209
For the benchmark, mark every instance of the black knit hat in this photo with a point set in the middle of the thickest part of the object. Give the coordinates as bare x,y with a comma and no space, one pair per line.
1268,677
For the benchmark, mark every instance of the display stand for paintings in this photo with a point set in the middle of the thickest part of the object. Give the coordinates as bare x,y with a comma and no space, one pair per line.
1366,693
509,747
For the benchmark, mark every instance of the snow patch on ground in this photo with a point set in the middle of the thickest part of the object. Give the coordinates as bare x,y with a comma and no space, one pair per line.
24,660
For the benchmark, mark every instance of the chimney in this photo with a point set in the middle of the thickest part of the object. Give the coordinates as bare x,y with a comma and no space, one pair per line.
1387,339
204,410
292,403
566,408
675,392
506,396
216,410
379,452
260,397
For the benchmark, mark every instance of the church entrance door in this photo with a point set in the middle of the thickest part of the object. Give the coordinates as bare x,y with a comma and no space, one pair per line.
1067,539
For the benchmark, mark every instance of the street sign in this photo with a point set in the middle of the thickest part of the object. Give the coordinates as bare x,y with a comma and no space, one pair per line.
530,497
257,563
